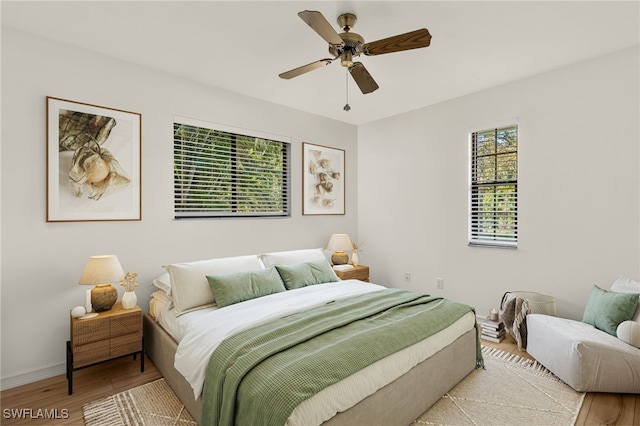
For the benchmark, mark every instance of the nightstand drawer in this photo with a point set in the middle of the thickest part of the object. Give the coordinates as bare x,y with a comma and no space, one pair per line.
349,275
127,344
126,324
90,331
90,353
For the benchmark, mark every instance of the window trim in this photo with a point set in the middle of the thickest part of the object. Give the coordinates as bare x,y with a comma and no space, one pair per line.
285,140
488,242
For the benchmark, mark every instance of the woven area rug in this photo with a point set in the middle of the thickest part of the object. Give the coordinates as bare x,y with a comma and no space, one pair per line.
510,390
153,404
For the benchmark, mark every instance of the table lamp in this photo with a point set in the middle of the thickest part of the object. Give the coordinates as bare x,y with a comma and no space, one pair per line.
101,271
339,243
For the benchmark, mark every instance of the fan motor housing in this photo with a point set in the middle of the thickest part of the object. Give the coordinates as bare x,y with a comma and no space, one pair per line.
352,43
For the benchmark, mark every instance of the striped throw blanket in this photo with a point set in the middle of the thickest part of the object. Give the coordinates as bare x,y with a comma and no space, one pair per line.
513,312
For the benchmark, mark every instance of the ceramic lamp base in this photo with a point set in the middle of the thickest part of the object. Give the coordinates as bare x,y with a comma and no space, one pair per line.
103,297
340,258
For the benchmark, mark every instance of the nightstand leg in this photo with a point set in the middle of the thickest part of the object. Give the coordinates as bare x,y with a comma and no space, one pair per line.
142,357
69,368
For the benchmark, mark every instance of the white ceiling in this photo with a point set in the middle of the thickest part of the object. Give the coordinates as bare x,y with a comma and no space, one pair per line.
242,46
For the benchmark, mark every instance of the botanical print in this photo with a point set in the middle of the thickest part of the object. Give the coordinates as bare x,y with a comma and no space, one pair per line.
93,167
323,180
93,162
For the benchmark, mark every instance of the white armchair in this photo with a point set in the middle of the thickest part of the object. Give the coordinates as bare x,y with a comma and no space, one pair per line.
585,357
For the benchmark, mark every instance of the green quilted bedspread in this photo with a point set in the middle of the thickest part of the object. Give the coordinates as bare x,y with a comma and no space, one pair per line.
258,376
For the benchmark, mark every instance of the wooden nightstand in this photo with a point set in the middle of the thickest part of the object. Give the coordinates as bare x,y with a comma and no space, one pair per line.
359,272
112,334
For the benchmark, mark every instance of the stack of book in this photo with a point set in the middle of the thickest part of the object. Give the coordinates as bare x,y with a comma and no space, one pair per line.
492,331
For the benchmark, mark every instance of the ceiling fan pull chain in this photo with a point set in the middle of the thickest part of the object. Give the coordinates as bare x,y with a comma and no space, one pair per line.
346,106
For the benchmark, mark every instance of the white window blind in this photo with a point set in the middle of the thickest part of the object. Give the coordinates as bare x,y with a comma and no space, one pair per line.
223,173
494,187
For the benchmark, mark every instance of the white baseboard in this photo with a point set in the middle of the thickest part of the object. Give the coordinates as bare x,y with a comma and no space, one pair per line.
32,376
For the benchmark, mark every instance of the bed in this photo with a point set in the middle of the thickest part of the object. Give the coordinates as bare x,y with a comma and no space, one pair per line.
183,330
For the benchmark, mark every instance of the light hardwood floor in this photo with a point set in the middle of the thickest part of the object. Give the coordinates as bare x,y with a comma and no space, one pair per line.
116,376
89,384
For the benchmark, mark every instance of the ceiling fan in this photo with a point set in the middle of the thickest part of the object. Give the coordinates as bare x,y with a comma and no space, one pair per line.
348,45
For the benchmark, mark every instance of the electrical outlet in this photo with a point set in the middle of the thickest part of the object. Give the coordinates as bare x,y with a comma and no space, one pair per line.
440,283
407,277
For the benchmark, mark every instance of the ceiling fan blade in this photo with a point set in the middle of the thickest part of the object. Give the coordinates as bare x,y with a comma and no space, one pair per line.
305,68
363,79
412,40
320,25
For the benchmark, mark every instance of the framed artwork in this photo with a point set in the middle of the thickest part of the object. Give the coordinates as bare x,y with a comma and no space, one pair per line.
93,162
323,177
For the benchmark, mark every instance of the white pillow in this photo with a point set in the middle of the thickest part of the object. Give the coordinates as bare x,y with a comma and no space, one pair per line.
163,282
627,285
292,257
629,332
189,286
624,284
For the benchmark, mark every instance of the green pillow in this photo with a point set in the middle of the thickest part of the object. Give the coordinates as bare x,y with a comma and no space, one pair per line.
605,310
309,273
233,288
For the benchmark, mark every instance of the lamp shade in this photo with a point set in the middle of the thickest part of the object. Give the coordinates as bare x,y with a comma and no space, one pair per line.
340,242
102,270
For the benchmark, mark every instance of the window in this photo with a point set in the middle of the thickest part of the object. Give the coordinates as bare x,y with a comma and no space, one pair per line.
219,172
494,187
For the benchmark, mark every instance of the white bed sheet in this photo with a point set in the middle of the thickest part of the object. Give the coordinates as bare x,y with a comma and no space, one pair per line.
161,308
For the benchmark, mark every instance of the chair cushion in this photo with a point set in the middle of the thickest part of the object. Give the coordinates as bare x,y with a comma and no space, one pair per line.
587,359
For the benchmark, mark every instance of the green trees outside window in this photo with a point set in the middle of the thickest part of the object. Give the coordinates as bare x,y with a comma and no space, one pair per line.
220,174
494,187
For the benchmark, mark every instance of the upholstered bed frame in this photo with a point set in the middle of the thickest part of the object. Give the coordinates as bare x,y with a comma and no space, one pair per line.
398,403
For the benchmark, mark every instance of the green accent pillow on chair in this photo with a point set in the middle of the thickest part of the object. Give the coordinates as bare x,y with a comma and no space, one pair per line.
605,310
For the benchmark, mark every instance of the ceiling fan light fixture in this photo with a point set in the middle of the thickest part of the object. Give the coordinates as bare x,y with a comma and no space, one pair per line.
346,59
